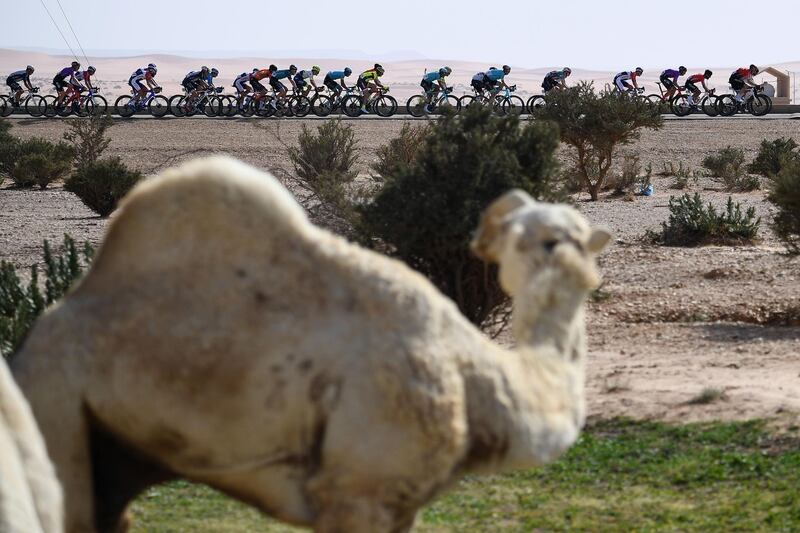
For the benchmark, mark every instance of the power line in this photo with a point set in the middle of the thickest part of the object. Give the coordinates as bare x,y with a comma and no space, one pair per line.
73,32
59,30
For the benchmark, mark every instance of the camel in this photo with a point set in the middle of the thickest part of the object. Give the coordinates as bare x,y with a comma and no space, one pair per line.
221,337
30,496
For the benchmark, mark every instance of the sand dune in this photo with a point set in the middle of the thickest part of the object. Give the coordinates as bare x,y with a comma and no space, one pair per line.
402,76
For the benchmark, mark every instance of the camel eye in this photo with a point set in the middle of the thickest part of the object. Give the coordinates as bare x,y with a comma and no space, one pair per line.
549,246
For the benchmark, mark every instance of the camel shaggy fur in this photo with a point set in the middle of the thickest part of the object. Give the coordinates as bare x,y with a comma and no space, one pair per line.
221,337
30,496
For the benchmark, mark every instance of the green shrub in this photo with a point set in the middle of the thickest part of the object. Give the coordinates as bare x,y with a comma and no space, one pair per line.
88,138
38,162
400,151
784,194
727,167
595,126
428,207
772,155
20,305
102,184
691,223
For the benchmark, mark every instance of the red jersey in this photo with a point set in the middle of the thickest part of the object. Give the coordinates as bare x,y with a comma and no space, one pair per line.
743,72
261,74
695,78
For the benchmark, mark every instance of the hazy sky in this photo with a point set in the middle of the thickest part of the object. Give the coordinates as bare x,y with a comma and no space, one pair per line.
607,35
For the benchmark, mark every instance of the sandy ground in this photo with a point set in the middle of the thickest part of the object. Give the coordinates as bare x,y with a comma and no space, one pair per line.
671,322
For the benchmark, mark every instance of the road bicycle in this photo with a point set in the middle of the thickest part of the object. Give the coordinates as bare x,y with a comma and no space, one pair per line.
503,102
536,101
156,104
76,102
754,102
323,104
707,103
209,102
269,105
33,104
418,105
382,104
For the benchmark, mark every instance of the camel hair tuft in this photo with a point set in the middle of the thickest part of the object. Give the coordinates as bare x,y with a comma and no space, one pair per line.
221,337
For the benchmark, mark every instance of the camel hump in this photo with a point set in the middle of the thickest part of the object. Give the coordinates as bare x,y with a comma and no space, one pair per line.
209,212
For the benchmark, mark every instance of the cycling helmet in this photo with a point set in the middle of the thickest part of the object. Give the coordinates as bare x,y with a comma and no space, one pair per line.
91,70
442,72
347,71
506,69
204,69
273,68
377,66
379,70
29,69
753,70
214,73
315,69
152,69
75,64
682,70
639,71
255,70
567,71
292,68
707,74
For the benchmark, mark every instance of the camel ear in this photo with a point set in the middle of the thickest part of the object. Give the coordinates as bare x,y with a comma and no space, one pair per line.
598,240
493,222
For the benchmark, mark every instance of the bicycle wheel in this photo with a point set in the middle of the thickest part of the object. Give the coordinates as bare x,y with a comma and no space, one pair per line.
245,108
175,105
680,106
210,106
450,104
49,106
466,100
759,105
158,106
124,106
263,106
385,105
709,106
322,105
34,105
727,105
95,105
300,106
68,109
351,105
416,105
535,102
513,105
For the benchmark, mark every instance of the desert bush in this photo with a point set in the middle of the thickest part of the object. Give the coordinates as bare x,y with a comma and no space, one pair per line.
596,126
400,151
102,184
692,223
428,207
88,138
727,167
39,162
632,178
772,155
784,194
20,305
324,164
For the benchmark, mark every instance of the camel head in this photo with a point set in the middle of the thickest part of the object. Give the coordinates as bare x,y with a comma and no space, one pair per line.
535,243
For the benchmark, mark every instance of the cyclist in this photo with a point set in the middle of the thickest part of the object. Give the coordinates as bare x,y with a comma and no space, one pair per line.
437,76
301,77
278,75
332,76
255,80
241,85
61,83
621,80
197,81
742,79
494,75
669,78
691,85
477,82
13,80
84,77
140,78
369,83
556,79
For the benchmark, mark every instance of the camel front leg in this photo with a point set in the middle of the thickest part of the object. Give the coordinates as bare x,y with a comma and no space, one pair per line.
361,515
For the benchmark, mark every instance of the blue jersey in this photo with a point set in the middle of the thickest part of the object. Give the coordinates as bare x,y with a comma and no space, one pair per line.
432,76
280,74
195,75
336,75
495,74
20,75
557,75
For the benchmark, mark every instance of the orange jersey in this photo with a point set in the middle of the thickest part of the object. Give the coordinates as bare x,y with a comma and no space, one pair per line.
261,74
